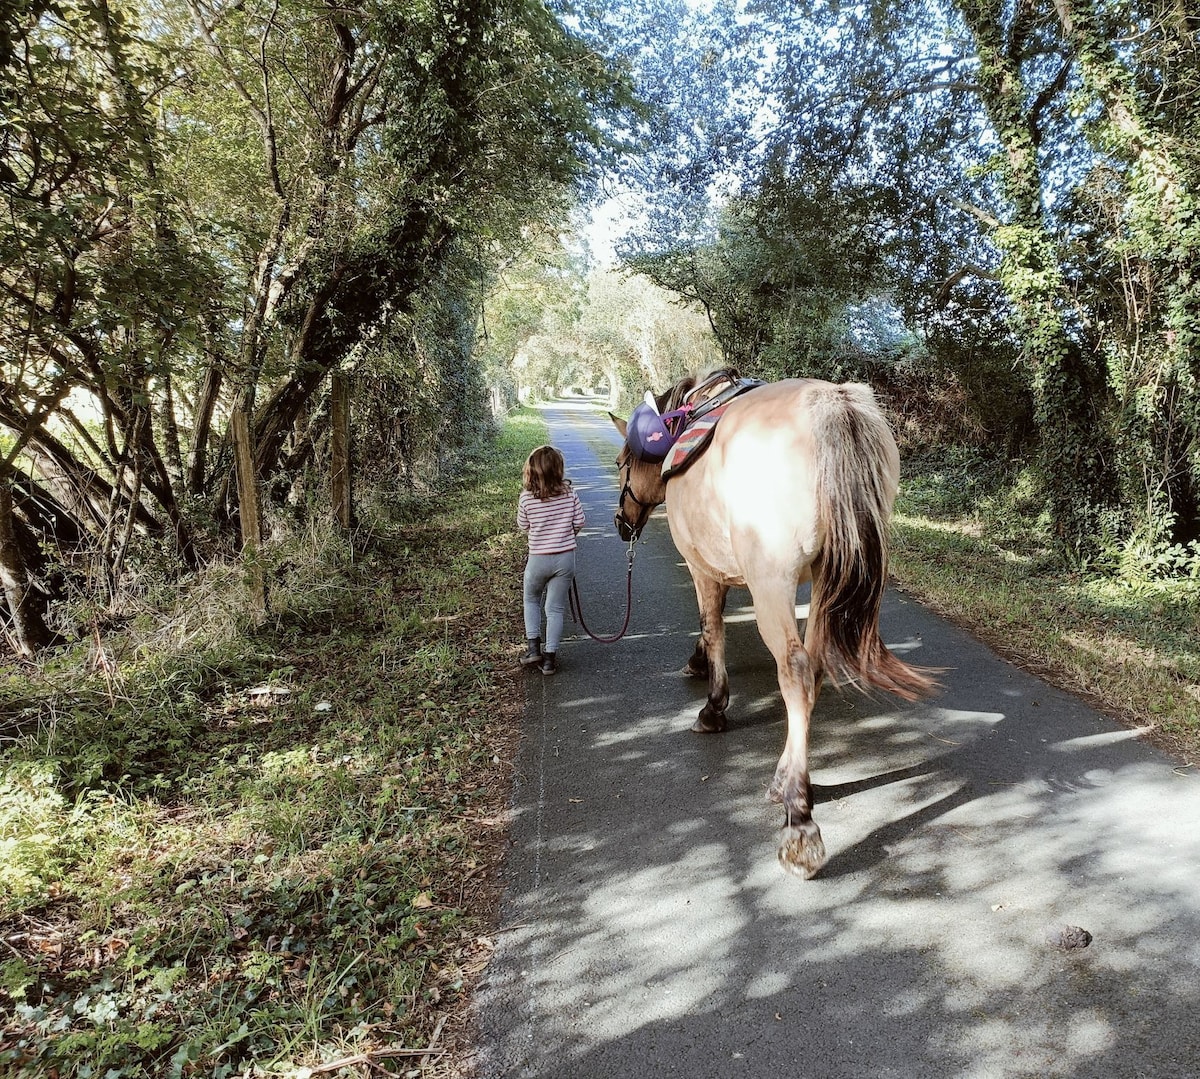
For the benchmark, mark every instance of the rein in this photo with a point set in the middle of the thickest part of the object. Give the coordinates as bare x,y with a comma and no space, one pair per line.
577,607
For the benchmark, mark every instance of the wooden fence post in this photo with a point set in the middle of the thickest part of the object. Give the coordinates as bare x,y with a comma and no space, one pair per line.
340,478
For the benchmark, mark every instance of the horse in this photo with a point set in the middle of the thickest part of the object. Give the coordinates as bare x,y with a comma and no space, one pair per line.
797,485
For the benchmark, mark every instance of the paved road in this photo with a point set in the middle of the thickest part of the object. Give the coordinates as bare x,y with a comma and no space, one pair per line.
648,931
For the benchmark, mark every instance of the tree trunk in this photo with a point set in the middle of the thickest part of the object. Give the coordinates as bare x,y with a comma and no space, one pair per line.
206,403
249,512
172,452
30,633
158,483
314,356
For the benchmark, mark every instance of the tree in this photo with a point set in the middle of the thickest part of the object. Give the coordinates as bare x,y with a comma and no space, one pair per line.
1145,196
1060,351
1018,181
213,206
554,324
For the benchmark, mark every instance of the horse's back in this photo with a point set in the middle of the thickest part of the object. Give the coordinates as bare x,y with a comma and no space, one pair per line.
753,497
783,427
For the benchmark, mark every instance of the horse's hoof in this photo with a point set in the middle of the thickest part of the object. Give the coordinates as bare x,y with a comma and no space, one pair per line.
709,721
801,849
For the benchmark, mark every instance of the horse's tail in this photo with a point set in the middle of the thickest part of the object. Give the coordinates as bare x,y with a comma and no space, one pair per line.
857,466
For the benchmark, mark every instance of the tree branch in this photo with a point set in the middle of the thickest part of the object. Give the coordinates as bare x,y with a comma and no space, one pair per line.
970,270
975,211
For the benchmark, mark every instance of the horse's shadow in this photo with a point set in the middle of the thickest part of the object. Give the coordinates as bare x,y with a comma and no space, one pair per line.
1005,743
760,712
873,849
828,792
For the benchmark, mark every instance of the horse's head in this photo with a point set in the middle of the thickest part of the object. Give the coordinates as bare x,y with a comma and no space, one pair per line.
642,487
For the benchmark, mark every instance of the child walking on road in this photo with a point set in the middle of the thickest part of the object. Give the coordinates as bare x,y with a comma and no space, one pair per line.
550,511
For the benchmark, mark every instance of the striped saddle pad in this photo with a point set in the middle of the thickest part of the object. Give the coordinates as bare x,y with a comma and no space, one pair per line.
693,442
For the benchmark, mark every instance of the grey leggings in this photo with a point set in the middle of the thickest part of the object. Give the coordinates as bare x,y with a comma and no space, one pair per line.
550,574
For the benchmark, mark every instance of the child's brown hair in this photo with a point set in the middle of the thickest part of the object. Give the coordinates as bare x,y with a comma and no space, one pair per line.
543,475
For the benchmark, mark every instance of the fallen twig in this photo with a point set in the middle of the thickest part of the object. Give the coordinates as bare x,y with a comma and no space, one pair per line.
437,1033
370,1058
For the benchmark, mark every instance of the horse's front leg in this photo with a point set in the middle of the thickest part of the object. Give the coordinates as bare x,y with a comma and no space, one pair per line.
709,656
801,849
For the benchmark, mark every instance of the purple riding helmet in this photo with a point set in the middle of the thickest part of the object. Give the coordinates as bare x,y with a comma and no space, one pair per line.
649,435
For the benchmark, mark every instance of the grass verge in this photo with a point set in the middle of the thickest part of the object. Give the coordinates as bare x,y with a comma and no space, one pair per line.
272,854
1129,647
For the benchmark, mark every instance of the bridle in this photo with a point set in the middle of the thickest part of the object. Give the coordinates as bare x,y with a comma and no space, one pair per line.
645,508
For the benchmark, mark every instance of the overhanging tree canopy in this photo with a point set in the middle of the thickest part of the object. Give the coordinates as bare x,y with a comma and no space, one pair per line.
1020,181
210,206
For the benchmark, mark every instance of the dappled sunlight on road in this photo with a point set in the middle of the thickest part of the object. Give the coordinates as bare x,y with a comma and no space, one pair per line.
1089,741
974,843
655,934
636,954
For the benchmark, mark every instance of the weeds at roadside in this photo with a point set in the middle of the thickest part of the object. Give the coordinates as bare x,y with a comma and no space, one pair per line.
966,541
261,851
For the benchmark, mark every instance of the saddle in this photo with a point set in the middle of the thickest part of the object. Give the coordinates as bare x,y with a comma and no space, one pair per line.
697,420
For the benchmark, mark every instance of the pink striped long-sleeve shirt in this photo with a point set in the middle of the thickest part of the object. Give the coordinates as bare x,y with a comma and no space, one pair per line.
551,522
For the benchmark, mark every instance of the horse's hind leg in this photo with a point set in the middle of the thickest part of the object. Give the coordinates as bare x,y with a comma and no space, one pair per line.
709,656
801,849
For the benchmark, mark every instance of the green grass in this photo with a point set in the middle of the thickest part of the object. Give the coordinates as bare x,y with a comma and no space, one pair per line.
969,544
225,854
230,853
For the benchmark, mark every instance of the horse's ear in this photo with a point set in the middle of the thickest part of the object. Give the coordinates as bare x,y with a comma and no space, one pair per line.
619,424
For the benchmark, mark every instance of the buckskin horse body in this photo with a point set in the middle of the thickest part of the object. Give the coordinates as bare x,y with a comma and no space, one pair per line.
797,485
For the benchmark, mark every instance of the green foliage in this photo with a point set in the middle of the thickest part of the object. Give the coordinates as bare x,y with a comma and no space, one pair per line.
259,851
1162,561
780,275
984,493
950,481
32,819
554,325
207,212
421,401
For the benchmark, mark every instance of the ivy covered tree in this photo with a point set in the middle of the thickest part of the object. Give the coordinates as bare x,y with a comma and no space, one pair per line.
1016,180
1139,210
1060,351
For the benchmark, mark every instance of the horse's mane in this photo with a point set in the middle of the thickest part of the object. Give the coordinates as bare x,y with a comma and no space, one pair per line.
674,397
